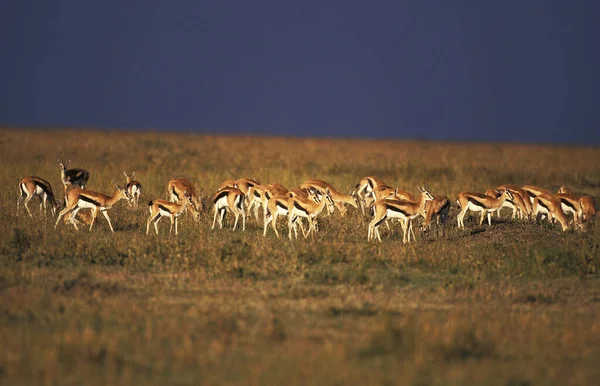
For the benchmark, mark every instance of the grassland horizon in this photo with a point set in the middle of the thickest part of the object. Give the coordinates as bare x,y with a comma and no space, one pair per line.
515,303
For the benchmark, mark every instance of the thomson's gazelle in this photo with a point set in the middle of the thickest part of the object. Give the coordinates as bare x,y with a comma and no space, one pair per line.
338,198
163,208
478,202
548,205
363,189
83,198
404,211
36,186
72,177
303,208
229,199
175,191
134,188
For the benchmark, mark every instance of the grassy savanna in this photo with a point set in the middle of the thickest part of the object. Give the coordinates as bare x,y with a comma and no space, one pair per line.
516,303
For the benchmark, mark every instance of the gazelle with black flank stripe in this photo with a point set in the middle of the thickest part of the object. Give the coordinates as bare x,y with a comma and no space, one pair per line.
338,198
259,195
302,208
477,202
163,208
231,199
438,208
516,203
33,186
534,191
134,188
404,211
78,199
72,177
177,188
363,189
280,205
569,203
547,205
527,200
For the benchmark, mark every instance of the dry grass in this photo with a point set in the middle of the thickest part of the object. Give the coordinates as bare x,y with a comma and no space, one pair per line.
512,304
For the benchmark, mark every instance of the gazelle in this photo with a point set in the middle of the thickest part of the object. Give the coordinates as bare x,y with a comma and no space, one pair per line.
134,188
588,209
259,195
178,187
382,192
303,208
83,198
534,191
527,200
546,204
36,186
338,198
363,189
439,208
232,199
72,177
404,211
517,204
569,203
280,205
163,208
478,202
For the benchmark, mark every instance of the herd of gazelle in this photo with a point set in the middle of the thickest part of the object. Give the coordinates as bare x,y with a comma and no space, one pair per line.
308,201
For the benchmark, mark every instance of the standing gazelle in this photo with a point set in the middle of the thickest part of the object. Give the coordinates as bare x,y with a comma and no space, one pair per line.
134,188
36,186
83,198
232,199
405,211
363,189
305,208
547,205
175,191
163,208
478,202
72,177
338,198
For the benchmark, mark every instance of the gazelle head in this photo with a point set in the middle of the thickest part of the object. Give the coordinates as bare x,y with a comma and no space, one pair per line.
425,193
329,201
189,200
122,191
564,190
129,177
63,165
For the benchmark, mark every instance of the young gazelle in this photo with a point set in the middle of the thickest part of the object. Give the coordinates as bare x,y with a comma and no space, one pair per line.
163,208
72,177
478,202
36,186
176,190
134,188
363,189
404,211
83,198
546,204
229,199
304,208
338,198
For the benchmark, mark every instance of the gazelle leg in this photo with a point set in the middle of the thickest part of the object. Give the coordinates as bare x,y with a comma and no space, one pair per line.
105,213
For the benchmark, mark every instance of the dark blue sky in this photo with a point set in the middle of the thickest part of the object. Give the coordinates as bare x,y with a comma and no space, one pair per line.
525,71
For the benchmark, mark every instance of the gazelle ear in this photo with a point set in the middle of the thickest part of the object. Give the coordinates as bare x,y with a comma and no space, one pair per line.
68,162
133,174
125,174
117,186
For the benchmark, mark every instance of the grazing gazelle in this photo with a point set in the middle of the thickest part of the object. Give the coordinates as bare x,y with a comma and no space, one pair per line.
279,205
83,198
232,199
259,195
478,202
305,208
338,198
163,208
516,203
527,200
35,186
548,205
175,191
363,189
439,208
533,192
569,203
134,188
72,177
588,209
404,211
